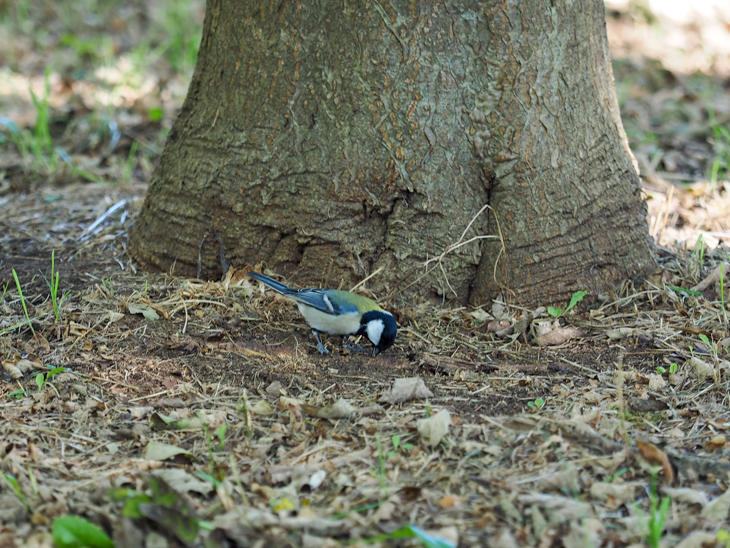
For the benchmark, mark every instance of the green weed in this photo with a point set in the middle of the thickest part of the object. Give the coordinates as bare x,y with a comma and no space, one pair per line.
41,379
723,537
412,531
380,470
18,14
183,32
398,446
155,114
94,48
722,292
36,145
617,474
698,254
362,508
17,394
536,404
220,433
672,368
182,29
245,408
205,476
720,167
574,300
12,327
162,505
216,441
74,531
691,292
53,288
383,456
22,301
84,174
106,284
657,513
12,482
712,347
42,144
129,163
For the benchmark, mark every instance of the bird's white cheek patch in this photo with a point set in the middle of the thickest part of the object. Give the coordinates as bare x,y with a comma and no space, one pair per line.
374,330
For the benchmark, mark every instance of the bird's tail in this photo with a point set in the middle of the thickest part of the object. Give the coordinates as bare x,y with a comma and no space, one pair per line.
272,283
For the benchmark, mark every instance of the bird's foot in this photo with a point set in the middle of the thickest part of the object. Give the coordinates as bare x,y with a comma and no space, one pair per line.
351,346
322,349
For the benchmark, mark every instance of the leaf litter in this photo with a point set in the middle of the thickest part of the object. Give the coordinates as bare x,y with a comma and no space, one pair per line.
199,411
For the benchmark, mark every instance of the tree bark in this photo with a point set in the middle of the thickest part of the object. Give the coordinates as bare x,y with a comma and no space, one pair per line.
467,148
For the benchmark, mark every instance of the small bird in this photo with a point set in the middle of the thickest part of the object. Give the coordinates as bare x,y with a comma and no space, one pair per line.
338,312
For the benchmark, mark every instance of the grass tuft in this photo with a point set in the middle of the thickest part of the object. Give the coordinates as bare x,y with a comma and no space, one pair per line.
22,301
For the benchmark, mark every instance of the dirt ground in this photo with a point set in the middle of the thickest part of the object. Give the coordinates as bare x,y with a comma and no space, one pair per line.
180,412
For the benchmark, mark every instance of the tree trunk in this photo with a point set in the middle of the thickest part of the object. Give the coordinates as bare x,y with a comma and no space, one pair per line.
468,148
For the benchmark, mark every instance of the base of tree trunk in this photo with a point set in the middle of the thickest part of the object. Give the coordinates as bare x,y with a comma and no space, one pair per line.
455,150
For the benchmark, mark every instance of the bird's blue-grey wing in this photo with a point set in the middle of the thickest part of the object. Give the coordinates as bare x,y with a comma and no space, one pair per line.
272,283
319,299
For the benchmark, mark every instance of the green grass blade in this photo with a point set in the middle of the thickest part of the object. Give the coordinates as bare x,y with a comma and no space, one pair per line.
22,301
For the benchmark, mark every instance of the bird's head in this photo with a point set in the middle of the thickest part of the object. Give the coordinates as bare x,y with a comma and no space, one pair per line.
380,328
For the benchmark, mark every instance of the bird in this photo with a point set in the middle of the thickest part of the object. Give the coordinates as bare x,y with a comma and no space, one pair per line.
338,312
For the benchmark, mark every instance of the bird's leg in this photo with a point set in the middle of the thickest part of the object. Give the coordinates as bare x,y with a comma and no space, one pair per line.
351,345
320,346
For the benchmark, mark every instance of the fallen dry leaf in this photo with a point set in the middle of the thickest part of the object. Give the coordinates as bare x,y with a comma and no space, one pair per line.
406,389
156,450
434,428
262,408
615,494
12,370
146,310
449,501
718,508
183,480
686,495
558,508
479,314
652,454
495,326
558,336
620,332
275,389
656,382
341,409
16,366
316,479
701,368
140,411
716,442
